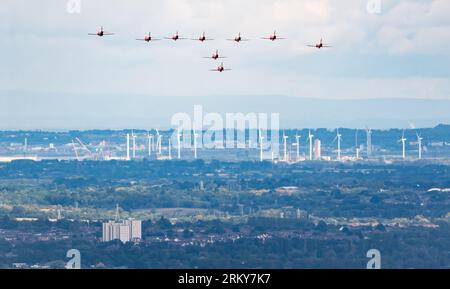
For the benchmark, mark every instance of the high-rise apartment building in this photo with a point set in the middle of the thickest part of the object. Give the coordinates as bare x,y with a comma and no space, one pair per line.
125,231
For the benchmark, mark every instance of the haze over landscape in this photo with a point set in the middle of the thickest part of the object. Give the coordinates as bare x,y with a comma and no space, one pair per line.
53,76
116,111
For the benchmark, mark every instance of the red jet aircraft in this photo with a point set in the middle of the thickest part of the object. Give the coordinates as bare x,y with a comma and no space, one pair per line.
215,55
320,45
238,38
220,68
273,37
101,33
202,38
148,38
175,37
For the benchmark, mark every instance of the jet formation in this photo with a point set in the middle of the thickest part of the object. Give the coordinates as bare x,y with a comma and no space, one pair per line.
202,38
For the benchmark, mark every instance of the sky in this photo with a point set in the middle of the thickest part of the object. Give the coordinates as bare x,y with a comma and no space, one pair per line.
401,50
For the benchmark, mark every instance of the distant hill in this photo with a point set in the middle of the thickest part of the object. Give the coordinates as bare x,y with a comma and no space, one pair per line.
59,111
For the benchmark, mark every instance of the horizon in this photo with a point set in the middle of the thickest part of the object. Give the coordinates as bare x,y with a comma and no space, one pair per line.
56,72
26,114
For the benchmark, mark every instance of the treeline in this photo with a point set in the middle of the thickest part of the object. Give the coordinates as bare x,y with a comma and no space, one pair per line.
402,248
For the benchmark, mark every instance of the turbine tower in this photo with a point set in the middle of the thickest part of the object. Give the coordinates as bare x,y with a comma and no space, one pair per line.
170,149
419,142
179,144
133,136
338,138
150,141
356,145
158,142
128,146
369,142
297,139
310,137
195,144
285,138
261,138
403,140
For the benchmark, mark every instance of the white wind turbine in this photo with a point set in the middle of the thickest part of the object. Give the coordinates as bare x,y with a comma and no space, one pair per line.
158,142
369,142
170,149
128,146
285,138
403,140
261,138
419,142
150,143
195,143
338,138
310,137
297,139
179,143
133,136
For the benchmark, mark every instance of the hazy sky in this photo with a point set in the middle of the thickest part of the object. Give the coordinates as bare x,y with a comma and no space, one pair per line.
402,52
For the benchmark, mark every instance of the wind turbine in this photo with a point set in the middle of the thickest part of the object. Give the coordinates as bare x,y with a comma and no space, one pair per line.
369,142
158,142
150,143
310,137
128,146
419,142
261,138
133,136
195,143
285,138
179,143
338,138
170,149
403,140
297,139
